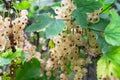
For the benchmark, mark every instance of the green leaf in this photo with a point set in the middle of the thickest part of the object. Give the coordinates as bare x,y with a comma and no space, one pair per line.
42,21
100,26
15,54
109,1
102,1
5,77
8,56
4,61
87,5
53,77
22,5
118,6
108,65
54,27
29,71
105,16
43,18
112,31
57,4
80,17
34,27
50,25
42,34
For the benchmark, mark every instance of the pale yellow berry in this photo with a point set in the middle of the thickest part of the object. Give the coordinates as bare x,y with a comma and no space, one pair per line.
24,13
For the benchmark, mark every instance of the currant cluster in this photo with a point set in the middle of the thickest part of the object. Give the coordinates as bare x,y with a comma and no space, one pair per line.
12,36
66,52
69,43
65,11
28,47
94,16
92,46
12,31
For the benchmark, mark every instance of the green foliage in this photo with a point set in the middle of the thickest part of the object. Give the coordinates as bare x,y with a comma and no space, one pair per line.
112,31
8,56
52,26
58,4
4,77
118,6
109,64
22,5
105,16
87,5
100,26
83,7
41,22
109,1
51,44
81,18
29,71
4,61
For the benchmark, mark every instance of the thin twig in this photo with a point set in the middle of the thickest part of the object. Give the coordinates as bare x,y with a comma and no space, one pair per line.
7,4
